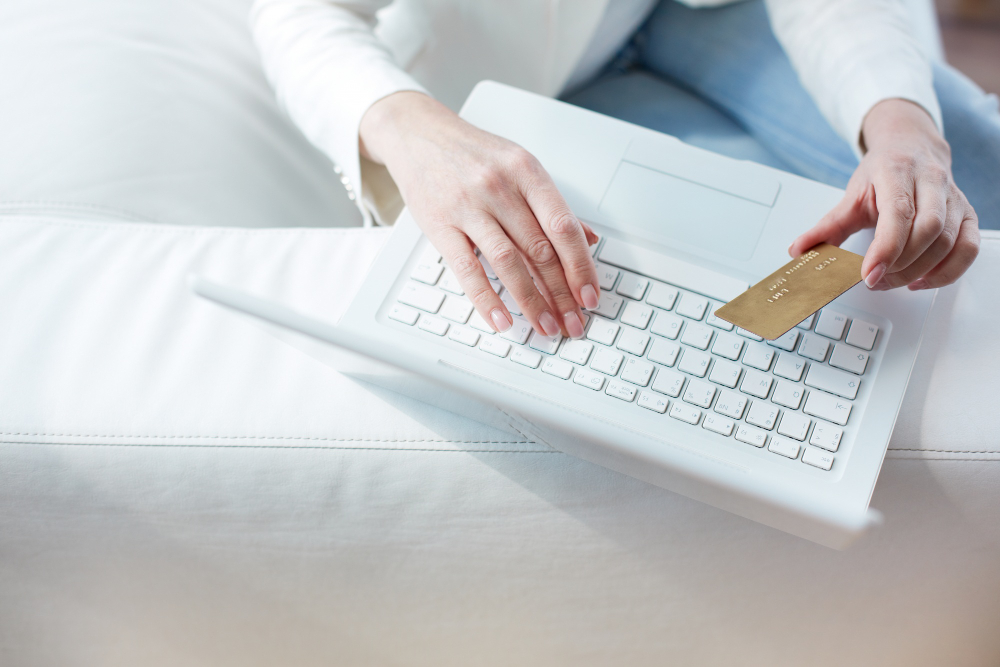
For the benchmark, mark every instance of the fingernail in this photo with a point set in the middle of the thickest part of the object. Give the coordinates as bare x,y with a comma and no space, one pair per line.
881,286
589,296
918,284
549,325
875,275
500,320
573,325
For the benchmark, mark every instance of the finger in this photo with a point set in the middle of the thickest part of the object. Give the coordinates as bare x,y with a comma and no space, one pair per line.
931,200
847,217
939,248
459,253
962,254
592,236
894,199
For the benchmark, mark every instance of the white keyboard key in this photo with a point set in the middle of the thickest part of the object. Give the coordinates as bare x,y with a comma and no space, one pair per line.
477,322
427,272
807,323
666,324
449,283
421,296
785,341
756,384
560,369
403,314
794,425
717,322
633,341
697,335
519,330
862,334
577,351
626,392
748,334
763,414
814,347
430,254
789,366
456,309
699,393
651,401
606,361
464,335
490,273
725,373
606,276
609,305
818,458
788,394
826,436
632,286
668,382
434,325
827,407
784,447
510,302
637,371
637,314
728,346
831,324
494,346
849,358
750,435
685,413
662,296
603,331
664,351
589,379
833,381
519,355
546,344
731,404
496,285
721,425
695,363
758,356
692,306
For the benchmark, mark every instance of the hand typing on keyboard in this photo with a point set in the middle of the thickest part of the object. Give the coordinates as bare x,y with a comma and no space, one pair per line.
469,189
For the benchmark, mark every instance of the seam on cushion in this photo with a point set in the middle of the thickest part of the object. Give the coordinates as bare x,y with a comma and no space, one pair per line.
283,448
258,437
18,208
158,228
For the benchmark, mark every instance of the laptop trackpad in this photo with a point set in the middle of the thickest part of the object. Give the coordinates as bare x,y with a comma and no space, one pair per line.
678,212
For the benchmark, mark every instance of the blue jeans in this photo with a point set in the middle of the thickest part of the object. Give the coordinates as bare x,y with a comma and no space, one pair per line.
718,79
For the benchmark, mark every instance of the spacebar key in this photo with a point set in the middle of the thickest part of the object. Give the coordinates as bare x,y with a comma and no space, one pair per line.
674,271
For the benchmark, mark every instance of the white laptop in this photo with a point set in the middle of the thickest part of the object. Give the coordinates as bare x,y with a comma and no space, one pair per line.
790,433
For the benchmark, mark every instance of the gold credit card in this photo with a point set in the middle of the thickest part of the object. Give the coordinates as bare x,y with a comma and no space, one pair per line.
794,292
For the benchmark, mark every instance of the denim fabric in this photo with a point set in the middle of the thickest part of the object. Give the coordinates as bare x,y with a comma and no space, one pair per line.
718,79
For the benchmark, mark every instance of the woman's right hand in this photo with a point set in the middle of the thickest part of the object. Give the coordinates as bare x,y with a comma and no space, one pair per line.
468,189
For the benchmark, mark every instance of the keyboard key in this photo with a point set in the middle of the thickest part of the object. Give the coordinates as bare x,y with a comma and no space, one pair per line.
637,371
721,425
756,384
494,346
826,436
403,314
427,272
827,407
637,314
633,341
606,361
435,325
664,351
748,334
849,358
758,356
589,379
699,393
666,324
558,368
576,351
818,458
750,435
651,401
731,404
430,255
785,341
464,335
831,324
814,347
662,296
496,285
606,276
763,414
807,323
784,447
668,382
456,309
728,346
692,306
519,355
421,296
695,363
717,322
449,283
788,394
626,392
833,381
685,413
725,373
519,330
609,305
508,300
789,366
477,322
697,335
862,334
546,344
632,286
603,331
794,425
490,273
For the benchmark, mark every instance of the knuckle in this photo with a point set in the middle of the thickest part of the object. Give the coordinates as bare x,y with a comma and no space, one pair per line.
937,175
935,223
465,266
540,251
902,205
503,255
968,249
481,294
521,160
564,224
488,179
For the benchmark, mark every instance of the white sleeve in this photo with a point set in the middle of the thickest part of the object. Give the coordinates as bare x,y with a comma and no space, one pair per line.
852,54
327,68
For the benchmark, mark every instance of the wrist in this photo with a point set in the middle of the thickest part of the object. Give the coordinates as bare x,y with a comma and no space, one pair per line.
895,121
386,123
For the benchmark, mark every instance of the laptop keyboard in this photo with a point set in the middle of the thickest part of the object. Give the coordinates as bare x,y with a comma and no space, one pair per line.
658,347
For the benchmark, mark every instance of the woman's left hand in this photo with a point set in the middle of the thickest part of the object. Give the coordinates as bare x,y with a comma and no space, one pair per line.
926,233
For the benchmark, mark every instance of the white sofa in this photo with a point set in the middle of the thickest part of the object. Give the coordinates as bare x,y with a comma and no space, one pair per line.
180,487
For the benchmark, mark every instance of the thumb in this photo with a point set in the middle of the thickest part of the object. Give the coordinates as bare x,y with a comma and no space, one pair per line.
847,217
